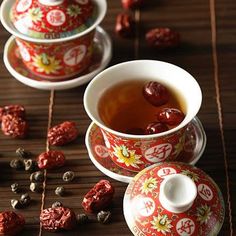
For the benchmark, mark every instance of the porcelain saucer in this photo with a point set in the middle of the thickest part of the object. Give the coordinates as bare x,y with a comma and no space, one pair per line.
101,58
194,147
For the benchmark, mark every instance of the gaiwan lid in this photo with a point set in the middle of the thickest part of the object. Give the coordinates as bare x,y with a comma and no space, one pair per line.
51,19
173,199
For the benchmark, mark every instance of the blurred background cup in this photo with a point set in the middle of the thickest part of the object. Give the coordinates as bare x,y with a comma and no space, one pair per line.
135,152
55,37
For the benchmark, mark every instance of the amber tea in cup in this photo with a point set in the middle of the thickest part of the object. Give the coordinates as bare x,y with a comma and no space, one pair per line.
124,108
120,101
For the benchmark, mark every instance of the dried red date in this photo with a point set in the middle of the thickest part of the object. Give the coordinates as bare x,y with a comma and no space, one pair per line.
99,197
156,128
14,126
51,159
170,116
63,133
132,4
162,38
124,25
16,110
11,223
155,93
57,218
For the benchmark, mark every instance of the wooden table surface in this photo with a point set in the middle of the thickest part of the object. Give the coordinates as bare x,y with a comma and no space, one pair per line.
207,51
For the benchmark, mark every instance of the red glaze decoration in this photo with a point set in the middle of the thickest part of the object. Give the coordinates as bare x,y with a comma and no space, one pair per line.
193,146
146,215
59,60
39,20
135,154
42,20
17,63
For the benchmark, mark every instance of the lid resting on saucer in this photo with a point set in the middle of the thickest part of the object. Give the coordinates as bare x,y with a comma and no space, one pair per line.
49,19
173,199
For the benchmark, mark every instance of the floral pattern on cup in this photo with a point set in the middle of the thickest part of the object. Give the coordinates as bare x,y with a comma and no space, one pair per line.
136,154
146,215
37,20
57,61
15,60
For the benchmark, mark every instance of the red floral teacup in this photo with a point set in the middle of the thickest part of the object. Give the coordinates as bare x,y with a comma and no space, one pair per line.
57,61
135,152
55,37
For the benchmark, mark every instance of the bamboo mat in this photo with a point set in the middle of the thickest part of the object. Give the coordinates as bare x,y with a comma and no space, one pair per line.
208,52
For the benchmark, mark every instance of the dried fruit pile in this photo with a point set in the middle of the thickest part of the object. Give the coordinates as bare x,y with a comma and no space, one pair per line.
57,217
96,201
14,124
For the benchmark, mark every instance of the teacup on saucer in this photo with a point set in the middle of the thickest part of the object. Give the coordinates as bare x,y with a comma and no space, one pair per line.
194,147
101,57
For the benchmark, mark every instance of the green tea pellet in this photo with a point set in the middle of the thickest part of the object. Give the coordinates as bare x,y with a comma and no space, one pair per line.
16,164
60,191
104,217
21,152
68,176
82,218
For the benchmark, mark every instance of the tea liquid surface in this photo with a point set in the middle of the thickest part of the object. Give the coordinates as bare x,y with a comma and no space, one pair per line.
124,108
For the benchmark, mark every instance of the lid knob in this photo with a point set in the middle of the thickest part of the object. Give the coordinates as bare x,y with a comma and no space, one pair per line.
51,2
177,193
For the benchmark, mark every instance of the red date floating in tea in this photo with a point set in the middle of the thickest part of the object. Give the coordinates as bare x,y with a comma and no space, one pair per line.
51,159
170,116
14,126
99,197
57,218
15,110
63,133
11,223
155,93
156,128
162,38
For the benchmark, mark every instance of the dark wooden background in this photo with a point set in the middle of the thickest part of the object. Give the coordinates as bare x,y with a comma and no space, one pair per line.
207,51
